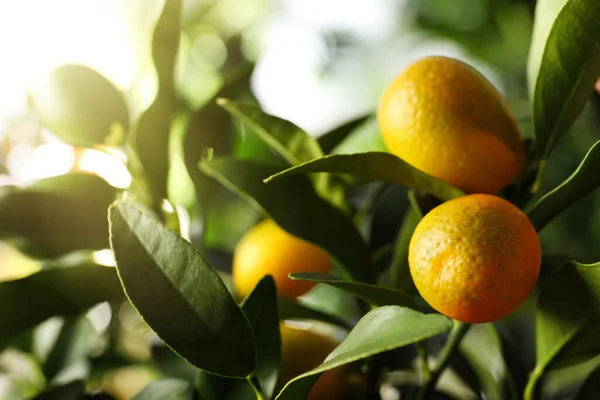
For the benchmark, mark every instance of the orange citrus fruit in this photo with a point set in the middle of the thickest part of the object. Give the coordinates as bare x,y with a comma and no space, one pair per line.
443,117
268,249
303,350
475,258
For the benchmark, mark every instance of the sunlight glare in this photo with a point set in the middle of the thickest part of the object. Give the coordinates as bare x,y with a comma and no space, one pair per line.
104,257
107,166
38,35
43,162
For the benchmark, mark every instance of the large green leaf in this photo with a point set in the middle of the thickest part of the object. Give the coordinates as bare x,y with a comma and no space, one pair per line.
564,64
331,139
58,292
294,206
583,181
165,389
568,319
291,142
57,215
179,294
81,106
378,166
295,310
383,329
374,294
153,128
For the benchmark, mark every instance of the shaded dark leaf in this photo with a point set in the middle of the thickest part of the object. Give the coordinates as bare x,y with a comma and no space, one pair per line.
206,327
376,295
60,292
321,223
57,215
294,310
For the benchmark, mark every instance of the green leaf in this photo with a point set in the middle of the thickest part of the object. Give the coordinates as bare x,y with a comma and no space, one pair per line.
81,106
590,388
564,64
153,128
291,142
288,140
59,292
583,181
70,391
57,215
330,140
71,348
261,309
321,223
206,327
165,389
383,329
378,166
482,347
294,310
568,319
376,295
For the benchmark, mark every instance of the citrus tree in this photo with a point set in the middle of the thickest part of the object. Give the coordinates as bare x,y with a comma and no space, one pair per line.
459,301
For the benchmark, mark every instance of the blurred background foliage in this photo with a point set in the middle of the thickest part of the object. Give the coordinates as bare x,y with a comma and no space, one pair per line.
316,63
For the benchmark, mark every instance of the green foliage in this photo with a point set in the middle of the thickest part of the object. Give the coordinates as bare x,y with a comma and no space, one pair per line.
290,310
81,107
66,292
151,135
589,389
206,327
383,329
58,215
374,294
237,164
171,389
375,166
568,319
261,309
582,181
323,224
330,140
561,73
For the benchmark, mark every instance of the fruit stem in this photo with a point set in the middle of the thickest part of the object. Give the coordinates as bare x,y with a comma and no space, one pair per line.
537,184
530,389
454,338
256,386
